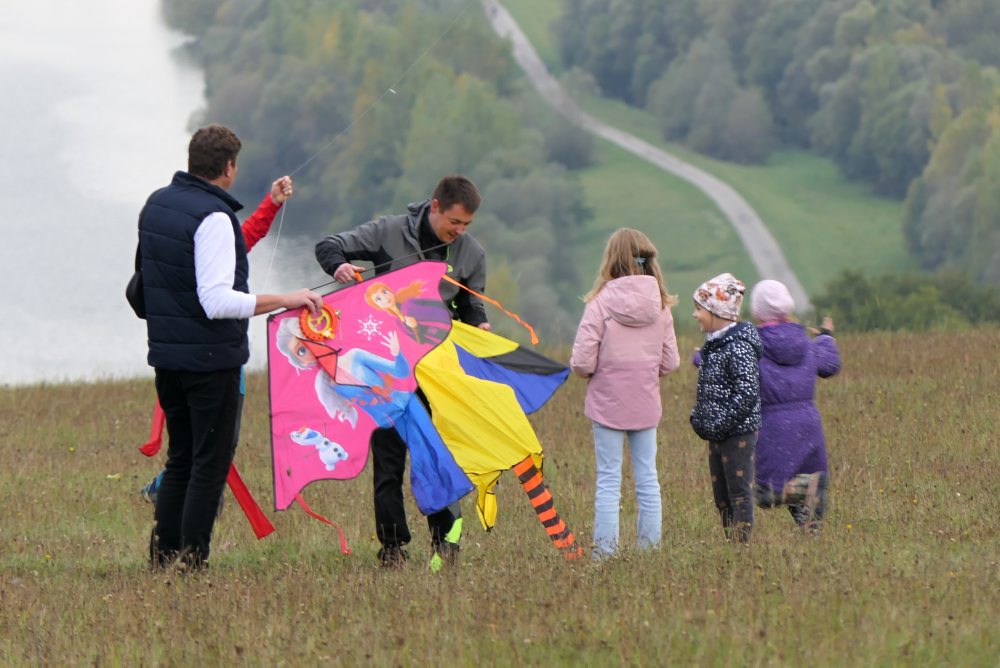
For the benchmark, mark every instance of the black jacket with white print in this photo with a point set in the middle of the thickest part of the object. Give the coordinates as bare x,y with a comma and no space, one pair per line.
728,401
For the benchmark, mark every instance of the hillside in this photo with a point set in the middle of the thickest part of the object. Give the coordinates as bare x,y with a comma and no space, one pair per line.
823,222
367,132
901,97
905,571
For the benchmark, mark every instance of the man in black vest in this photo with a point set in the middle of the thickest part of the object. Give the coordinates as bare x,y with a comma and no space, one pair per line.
195,270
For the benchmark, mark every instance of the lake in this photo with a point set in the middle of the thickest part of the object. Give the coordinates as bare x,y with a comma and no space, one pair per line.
96,117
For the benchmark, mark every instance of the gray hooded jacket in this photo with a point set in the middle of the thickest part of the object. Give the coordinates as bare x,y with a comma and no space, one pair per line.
392,242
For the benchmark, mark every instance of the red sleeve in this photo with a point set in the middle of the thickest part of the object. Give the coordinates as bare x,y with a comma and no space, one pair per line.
257,225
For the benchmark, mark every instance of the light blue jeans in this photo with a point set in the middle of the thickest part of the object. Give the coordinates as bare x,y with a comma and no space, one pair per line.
608,448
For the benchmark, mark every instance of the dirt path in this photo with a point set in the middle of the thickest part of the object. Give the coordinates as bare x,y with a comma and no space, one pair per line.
757,239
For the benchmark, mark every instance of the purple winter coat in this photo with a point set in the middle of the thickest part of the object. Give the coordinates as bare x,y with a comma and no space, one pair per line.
791,431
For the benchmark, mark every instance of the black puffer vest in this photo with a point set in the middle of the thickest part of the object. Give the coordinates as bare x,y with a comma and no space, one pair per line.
181,336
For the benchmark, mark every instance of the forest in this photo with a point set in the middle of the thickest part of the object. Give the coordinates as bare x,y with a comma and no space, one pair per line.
371,101
903,95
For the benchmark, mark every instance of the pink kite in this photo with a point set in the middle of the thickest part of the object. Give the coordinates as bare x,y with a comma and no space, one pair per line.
336,377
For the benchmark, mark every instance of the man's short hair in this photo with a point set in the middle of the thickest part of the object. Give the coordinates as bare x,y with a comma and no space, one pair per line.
211,149
457,189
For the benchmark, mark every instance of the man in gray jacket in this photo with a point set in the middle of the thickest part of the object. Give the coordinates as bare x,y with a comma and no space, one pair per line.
434,229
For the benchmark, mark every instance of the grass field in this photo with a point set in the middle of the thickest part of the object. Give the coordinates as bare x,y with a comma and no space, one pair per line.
823,222
905,573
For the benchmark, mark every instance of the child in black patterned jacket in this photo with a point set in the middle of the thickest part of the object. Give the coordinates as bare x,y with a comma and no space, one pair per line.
727,411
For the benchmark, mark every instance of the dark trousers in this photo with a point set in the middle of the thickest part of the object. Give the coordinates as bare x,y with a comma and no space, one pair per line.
731,464
388,469
201,412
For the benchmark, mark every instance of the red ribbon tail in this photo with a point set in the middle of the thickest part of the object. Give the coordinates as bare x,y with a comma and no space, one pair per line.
152,446
258,520
309,511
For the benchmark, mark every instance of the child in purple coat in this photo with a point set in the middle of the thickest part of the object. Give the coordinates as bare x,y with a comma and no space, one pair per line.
791,452
624,345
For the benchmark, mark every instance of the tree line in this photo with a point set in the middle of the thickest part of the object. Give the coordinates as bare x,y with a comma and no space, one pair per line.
911,302
377,99
901,94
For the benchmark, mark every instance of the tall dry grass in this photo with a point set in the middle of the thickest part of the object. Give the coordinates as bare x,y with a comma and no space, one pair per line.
906,571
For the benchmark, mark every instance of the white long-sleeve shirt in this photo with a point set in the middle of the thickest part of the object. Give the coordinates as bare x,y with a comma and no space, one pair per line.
215,270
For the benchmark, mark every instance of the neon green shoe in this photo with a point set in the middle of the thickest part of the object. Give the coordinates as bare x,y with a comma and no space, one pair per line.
446,551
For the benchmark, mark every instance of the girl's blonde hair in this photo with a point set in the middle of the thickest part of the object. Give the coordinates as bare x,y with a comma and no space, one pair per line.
630,253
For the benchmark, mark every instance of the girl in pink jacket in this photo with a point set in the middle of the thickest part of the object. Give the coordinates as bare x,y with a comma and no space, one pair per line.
624,344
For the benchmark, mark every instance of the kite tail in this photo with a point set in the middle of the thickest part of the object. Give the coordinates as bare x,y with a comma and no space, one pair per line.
541,500
344,549
152,446
510,314
258,520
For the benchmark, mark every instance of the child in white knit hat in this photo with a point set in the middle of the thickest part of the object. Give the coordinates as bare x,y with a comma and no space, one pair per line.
727,411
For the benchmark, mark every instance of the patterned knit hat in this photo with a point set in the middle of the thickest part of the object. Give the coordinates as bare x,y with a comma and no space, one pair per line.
770,301
722,296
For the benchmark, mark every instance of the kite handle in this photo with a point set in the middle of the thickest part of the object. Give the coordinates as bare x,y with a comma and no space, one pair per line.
344,549
514,316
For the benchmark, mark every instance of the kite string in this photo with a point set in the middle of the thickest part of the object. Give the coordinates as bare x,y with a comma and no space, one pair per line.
391,89
277,238
357,274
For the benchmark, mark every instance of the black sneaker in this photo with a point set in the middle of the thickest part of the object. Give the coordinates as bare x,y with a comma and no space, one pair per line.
158,559
392,556
190,560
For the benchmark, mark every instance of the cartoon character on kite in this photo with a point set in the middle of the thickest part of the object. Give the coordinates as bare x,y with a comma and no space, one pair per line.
424,320
360,378
330,453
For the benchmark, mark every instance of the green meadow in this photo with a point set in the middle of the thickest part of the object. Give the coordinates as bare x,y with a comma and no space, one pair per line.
906,571
535,18
823,222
